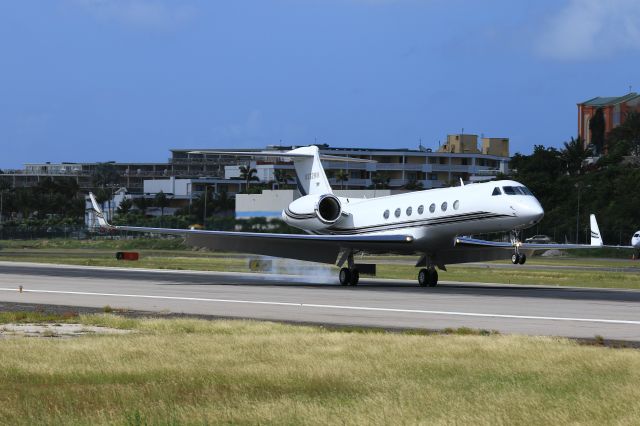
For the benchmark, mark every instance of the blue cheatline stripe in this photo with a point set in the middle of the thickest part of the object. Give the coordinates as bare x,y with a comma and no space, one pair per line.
263,213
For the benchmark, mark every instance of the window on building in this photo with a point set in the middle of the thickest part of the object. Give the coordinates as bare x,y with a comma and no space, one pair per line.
397,212
456,204
444,206
420,209
496,191
386,214
409,211
432,208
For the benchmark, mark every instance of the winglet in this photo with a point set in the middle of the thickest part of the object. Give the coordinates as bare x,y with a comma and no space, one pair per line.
596,237
98,212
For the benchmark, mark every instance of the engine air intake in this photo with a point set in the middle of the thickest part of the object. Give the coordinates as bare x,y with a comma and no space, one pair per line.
329,209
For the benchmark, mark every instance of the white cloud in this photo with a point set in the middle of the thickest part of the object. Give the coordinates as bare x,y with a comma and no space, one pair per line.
591,29
146,14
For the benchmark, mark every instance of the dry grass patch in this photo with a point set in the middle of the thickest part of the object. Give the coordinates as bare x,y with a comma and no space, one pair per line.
195,371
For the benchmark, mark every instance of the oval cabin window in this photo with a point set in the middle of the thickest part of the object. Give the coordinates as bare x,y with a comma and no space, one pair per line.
420,209
456,204
397,212
444,206
386,214
432,208
409,210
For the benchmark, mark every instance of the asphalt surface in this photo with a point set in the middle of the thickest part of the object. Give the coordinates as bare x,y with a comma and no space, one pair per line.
533,310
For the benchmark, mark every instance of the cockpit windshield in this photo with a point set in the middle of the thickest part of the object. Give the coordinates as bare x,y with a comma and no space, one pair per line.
516,190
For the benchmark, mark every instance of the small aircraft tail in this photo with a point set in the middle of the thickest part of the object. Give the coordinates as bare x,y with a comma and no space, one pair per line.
596,237
98,212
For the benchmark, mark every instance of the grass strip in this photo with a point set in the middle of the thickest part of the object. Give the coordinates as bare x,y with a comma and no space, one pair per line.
187,371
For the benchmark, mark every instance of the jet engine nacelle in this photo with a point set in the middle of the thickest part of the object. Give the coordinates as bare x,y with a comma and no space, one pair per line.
313,212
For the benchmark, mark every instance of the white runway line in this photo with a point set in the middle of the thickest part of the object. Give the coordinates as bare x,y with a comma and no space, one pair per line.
320,306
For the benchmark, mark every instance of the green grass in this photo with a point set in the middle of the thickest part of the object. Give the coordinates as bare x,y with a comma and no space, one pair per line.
103,244
608,279
239,372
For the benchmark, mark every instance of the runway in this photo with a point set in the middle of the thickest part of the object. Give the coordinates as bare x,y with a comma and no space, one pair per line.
532,310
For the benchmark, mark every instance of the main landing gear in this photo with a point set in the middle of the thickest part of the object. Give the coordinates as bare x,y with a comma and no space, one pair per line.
428,277
349,276
518,258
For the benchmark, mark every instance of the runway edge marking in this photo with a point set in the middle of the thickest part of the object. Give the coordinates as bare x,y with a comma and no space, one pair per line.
321,306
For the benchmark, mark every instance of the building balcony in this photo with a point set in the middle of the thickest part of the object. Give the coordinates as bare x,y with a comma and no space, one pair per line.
399,166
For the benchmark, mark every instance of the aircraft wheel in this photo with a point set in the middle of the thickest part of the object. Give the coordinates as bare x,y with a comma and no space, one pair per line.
422,277
344,276
523,258
515,258
355,277
433,277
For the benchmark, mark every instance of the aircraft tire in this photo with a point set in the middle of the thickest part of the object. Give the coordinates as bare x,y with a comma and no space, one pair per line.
433,277
355,277
423,277
344,276
515,258
523,258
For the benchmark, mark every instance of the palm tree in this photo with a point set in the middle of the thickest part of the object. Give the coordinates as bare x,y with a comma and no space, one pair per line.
248,174
573,155
281,176
141,204
4,187
413,184
380,180
161,201
223,203
125,206
342,176
628,132
105,174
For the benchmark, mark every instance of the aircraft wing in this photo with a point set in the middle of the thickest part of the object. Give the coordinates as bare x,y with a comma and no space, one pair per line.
314,248
596,242
472,242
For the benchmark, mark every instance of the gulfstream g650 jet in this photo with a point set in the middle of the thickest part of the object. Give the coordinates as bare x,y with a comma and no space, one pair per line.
430,224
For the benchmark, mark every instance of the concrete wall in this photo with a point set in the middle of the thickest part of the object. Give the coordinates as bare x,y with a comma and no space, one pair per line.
168,186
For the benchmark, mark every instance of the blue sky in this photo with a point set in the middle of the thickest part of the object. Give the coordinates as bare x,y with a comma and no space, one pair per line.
126,80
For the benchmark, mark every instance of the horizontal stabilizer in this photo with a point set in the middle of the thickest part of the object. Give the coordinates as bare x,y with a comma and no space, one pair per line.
279,154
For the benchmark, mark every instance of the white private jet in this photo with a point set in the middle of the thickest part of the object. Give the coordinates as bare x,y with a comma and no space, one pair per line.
430,223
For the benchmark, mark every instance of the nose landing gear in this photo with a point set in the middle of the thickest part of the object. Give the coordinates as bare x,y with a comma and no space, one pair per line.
517,258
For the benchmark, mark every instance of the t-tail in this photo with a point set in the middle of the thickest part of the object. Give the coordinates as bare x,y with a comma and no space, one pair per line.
310,176
596,237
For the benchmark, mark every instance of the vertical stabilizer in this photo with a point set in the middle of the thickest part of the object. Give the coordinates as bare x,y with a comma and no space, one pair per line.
310,176
596,237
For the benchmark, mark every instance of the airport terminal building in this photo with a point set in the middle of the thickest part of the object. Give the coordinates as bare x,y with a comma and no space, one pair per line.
459,158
